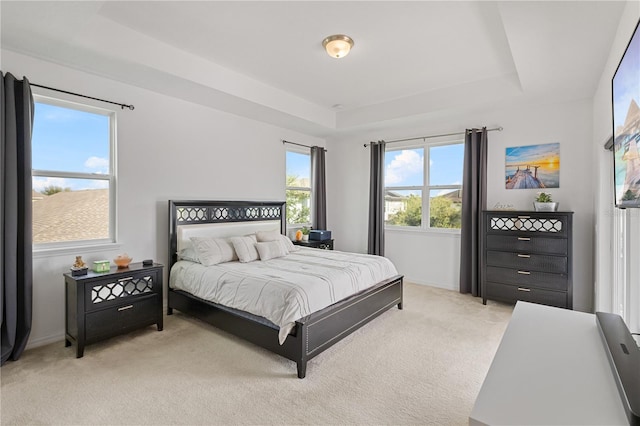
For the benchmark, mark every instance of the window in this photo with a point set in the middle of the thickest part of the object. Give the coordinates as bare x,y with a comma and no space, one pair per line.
72,173
432,169
298,188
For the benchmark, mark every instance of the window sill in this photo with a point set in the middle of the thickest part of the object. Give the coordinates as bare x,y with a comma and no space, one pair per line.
402,229
43,252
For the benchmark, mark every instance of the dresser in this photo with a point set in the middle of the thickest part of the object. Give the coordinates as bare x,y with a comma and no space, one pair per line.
102,305
527,256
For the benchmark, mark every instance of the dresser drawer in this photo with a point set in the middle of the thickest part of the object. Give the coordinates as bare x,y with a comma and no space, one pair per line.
511,293
532,278
528,223
526,244
527,262
115,320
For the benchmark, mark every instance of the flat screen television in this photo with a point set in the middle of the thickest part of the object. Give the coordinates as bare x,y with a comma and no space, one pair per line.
625,93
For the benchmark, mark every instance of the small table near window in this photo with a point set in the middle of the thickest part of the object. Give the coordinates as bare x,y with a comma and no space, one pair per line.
324,244
102,305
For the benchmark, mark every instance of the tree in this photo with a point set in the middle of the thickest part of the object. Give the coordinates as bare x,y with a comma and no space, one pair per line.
444,213
411,215
53,189
298,203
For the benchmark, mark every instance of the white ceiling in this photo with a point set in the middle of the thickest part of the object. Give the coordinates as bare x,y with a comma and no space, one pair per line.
264,59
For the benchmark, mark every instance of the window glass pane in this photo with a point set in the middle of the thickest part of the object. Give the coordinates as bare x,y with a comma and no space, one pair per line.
403,208
404,167
298,206
445,164
298,169
70,140
445,208
66,209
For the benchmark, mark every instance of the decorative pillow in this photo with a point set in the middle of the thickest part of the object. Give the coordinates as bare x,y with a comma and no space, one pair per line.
245,248
271,249
288,244
188,253
263,236
212,251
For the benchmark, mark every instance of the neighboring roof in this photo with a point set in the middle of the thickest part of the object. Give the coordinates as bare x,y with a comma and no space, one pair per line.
71,216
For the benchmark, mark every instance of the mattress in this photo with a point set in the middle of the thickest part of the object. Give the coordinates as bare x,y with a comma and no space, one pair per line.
283,289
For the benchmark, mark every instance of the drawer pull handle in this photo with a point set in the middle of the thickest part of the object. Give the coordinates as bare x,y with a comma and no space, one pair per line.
524,217
125,279
524,272
523,289
524,239
524,255
124,308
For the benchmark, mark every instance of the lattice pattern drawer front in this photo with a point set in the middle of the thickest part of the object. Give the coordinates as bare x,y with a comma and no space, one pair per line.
527,224
114,290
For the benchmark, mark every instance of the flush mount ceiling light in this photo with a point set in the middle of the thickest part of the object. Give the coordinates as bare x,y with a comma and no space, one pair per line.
338,45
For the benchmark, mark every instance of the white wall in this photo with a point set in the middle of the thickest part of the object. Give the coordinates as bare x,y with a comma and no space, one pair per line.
605,212
433,258
166,149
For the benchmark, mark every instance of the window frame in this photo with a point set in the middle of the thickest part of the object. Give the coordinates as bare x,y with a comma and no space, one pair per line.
305,151
425,188
110,177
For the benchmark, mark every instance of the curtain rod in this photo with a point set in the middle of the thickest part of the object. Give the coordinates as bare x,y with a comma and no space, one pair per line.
299,144
499,129
123,106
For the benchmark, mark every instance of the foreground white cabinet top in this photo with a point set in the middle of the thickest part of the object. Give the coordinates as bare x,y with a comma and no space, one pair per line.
551,368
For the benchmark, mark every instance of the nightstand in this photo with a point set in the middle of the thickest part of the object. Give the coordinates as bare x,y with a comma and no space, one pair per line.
325,244
103,305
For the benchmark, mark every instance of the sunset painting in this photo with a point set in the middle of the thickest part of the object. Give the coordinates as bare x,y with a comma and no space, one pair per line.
533,166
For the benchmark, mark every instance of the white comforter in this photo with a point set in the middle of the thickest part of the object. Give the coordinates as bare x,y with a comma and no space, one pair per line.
284,289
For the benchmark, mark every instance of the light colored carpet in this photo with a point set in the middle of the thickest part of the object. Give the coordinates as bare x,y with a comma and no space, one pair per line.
422,365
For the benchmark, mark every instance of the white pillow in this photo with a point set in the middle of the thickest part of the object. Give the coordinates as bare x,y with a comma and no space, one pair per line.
271,249
263,236
212,251
288,244
188,253
245,248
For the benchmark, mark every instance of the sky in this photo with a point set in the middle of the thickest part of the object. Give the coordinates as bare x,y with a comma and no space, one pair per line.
298,165
406,167
403,167
71,141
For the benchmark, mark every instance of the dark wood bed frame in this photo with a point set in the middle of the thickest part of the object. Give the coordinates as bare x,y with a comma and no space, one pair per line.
312,334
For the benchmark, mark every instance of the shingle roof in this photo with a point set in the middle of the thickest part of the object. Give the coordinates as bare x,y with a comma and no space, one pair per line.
71,216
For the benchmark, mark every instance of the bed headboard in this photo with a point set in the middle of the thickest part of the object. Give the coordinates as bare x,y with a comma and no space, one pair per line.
210,217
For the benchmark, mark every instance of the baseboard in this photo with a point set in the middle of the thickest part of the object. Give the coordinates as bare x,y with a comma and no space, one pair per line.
438,285
41,341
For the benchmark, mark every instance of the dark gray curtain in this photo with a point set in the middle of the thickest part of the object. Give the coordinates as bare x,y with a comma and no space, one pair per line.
318,188
474,200
376,199
17,107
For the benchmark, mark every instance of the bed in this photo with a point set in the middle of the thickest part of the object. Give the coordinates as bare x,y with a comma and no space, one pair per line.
307,336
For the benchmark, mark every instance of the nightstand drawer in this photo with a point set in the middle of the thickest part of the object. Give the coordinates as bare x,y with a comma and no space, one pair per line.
509,293
112,291
525,244
116,320
527,278
527,262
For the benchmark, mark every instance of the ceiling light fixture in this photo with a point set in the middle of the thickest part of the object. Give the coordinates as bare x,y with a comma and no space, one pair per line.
338,45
